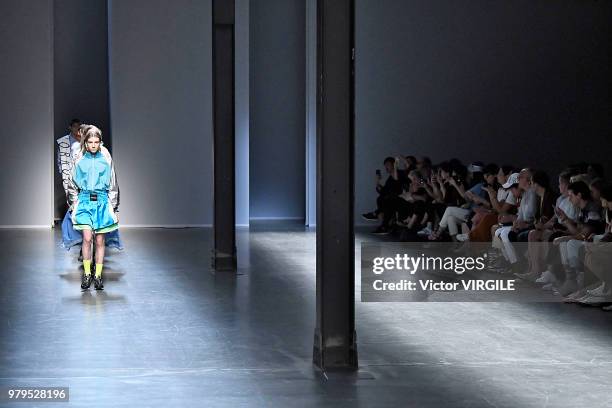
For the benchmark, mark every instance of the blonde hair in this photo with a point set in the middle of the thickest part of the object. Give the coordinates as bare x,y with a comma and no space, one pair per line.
87,132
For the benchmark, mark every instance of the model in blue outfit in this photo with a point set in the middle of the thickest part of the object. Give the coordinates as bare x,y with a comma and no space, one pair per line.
68,147
93,195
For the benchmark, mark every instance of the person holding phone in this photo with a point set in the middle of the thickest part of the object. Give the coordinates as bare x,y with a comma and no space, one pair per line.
589,223
412,205
543,256
503,203
521,223
598,256
454,216
387,194
543,221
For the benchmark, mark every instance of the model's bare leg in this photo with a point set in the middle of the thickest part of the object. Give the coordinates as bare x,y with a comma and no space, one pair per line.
86,246
100,248
99,260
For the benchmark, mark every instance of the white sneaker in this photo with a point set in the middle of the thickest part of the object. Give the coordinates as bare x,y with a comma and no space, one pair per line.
579,294
462,237
546,277
594,300
599,291
425,231
548,287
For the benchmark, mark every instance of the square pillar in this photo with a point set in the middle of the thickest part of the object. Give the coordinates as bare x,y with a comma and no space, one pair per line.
335,339
224,195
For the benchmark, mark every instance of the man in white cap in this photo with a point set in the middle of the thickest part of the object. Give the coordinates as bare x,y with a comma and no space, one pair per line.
524,219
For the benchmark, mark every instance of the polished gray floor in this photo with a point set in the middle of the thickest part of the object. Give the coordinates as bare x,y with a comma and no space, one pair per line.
167,332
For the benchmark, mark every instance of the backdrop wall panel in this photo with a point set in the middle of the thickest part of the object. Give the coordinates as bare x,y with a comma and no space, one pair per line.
521,82
277,104
80,72
26,112
161,112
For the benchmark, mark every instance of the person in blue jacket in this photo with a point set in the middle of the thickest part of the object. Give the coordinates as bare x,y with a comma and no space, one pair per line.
68,147
94,200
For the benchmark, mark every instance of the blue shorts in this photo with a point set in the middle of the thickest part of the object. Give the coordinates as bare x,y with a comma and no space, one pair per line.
96,215
72,237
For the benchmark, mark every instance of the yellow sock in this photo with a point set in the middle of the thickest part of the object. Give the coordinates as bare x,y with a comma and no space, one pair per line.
87,266
98,270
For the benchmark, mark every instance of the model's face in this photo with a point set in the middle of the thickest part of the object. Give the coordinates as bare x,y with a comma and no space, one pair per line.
595,194
524,180
489,178
74,130
563,187
501,177
516,191
93,144
574,198
389,167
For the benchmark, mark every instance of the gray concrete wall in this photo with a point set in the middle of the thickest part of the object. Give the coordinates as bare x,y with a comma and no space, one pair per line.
26,112
277,104
160,94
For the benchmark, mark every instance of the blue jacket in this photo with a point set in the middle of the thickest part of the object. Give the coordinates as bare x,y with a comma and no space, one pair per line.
94,172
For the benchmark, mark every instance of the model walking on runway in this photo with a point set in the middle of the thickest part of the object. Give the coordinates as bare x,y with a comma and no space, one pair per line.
94,200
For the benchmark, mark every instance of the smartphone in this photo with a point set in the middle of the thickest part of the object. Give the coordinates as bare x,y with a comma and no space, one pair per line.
378,172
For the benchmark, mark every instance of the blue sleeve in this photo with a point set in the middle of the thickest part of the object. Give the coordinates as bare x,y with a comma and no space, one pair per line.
478,190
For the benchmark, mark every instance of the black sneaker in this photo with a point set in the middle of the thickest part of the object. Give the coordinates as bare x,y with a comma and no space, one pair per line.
98,283
86,281
381,231
371,216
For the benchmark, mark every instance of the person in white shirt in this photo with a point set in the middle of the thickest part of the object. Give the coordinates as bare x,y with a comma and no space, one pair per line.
541,238
68,147
589,223
523,222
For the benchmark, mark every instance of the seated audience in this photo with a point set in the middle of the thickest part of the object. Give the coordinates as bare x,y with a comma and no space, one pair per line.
454,216
589,222
503,202
522,223
598,256
544,215
569,234
387,195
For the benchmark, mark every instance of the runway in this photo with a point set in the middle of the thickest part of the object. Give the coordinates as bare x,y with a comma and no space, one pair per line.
166,332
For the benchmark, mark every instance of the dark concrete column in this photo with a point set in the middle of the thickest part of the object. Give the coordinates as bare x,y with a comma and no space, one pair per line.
335,344
224,225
